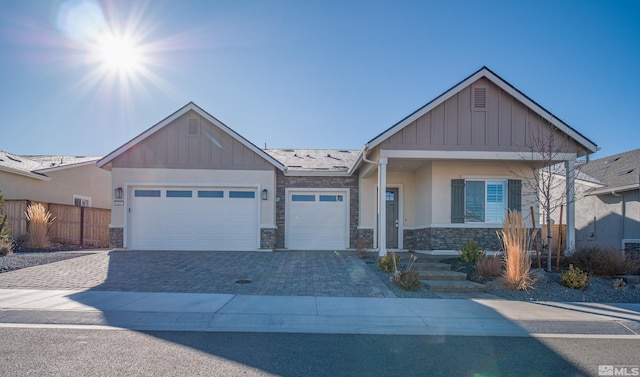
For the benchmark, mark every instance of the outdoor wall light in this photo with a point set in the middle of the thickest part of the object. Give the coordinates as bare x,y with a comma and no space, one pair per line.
118,193
264,194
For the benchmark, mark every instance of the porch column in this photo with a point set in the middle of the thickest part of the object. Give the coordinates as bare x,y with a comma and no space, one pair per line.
382,206
569,167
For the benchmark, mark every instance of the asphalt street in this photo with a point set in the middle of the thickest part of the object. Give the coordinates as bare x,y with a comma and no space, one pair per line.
84,352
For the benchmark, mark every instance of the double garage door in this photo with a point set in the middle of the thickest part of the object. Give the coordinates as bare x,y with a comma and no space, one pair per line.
165,218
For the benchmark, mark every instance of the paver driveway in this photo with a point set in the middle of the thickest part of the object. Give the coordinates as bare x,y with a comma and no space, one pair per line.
283,273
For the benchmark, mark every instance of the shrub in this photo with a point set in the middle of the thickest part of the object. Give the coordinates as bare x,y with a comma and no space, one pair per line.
489,267
575,278
471,252
407,280
605,262
40,221
388,263
516,239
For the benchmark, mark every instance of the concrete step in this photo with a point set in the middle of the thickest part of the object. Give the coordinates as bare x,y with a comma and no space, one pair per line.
419,266
441,275
453,286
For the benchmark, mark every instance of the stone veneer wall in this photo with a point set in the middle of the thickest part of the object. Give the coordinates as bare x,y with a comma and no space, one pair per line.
283,182
365,238
450,238
116,238
267,238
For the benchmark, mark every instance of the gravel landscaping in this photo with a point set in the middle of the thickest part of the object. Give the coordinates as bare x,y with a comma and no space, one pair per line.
31,259
548,288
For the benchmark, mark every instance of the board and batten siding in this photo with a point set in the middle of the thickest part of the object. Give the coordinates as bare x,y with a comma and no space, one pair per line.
504,124
205,147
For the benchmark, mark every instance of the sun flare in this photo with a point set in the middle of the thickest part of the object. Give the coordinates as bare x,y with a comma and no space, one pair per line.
119,54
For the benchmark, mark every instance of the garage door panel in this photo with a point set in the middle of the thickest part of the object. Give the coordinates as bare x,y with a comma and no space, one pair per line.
317,220
194,219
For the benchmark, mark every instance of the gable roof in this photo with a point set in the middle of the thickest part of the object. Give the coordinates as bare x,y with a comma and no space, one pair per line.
617,172
186,108
37,166
502,84
316,161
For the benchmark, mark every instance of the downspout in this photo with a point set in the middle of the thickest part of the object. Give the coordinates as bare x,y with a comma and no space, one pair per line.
364,157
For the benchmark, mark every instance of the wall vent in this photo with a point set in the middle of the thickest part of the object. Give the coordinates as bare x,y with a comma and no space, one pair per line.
194,127
479,100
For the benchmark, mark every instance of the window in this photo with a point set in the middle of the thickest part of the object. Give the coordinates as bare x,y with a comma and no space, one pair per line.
81,201
303,198
146,193
210,194
242,194
179,193
485,201
331,198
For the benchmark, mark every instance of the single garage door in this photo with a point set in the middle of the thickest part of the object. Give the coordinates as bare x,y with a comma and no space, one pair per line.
193,219
317,220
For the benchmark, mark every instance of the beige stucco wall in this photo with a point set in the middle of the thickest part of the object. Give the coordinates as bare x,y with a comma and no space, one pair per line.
195,177
426,191
87,181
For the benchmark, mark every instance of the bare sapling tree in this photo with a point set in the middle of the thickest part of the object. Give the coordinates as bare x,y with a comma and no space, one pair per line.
543,173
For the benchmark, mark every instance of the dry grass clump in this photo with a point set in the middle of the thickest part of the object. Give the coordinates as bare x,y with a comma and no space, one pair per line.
489,267
40,221
516,239
604,261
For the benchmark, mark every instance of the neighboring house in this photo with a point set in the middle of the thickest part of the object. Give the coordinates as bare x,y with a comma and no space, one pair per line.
71,180
609,212
449,172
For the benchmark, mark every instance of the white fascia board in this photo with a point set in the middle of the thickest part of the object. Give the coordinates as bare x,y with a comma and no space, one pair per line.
504,86
473,155
610,190
69,166
428,107
540,111
25,173
312,173
356,163
188,107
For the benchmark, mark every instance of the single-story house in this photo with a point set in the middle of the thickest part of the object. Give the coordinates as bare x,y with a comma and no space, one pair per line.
608,209
449,172
71,180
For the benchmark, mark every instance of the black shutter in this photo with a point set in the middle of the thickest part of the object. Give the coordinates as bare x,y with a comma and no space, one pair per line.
514,196
457,201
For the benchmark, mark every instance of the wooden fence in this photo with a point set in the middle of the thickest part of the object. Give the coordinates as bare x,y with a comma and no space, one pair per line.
558,235
75,225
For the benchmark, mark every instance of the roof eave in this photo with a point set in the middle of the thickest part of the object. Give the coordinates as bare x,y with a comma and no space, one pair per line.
25,173
613,190
589,146
183,110
68,166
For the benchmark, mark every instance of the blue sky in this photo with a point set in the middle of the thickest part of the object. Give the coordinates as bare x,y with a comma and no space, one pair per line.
305,74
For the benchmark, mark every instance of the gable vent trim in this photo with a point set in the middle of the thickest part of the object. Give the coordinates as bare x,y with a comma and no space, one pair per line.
194,127
479,98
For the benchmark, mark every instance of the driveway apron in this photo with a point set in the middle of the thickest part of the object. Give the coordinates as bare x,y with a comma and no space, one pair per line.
283,273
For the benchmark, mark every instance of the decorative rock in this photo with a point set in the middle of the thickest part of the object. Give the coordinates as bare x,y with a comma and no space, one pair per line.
540,276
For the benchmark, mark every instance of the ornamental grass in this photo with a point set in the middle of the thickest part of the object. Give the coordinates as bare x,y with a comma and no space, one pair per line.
40,221
516,239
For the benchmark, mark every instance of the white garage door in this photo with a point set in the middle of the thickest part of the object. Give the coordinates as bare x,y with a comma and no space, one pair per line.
317,220
193,219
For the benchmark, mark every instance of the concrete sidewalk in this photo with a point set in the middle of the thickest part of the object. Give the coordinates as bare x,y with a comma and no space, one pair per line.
313,314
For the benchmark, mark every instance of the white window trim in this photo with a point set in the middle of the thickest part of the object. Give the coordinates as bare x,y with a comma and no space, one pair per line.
485,180
88,199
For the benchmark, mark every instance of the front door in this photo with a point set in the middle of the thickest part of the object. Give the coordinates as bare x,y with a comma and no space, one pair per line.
392,218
